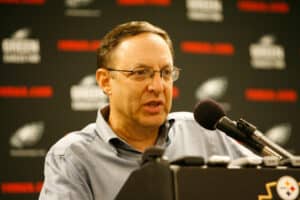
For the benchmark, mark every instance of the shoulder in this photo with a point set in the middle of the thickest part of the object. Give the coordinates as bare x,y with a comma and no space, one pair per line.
185,122
200,141
181,116
185,119
75,138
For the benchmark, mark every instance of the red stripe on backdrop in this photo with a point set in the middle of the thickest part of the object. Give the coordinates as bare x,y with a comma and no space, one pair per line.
32,2
78,45
40,91
283,95
207,48
26,92
175,92
280,7
21,187
144,2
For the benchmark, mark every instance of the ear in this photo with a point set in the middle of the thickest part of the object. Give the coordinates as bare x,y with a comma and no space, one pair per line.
103,80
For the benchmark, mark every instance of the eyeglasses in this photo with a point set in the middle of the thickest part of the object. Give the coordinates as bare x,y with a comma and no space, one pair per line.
141,74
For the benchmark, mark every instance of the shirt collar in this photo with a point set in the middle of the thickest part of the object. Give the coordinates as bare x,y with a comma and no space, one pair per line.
109,136
102,126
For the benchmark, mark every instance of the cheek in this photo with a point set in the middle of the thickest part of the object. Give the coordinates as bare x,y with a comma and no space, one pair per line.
134,95
169,90
168,94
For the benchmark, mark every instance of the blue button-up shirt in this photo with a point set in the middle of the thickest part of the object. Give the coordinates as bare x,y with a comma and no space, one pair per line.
94,163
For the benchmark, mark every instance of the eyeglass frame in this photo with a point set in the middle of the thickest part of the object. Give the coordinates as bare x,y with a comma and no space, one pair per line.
174,69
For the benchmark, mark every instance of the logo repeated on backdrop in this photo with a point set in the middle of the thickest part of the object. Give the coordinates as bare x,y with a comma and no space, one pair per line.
280,133
204,10
27,2
26,91
87,96
263,6
20,49
271,95
208,48
81,8
214,88
26,137
267,55
78,45
144,2
273,49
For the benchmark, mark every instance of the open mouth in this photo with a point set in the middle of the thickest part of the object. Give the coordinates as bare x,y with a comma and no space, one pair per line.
154,103
153,106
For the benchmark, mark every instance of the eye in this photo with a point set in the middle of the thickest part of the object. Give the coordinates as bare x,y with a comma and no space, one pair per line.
167,72
141,72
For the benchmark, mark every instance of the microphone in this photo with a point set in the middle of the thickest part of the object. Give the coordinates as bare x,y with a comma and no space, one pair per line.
153,154
248,162
211,116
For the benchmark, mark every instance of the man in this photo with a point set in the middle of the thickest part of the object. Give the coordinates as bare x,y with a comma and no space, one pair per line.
136,71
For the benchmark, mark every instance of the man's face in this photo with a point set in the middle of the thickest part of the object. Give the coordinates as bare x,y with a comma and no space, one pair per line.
141,103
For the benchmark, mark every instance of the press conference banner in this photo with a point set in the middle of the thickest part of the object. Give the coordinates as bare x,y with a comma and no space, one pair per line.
245,54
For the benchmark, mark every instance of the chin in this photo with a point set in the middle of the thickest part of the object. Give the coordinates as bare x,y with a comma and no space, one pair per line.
154,121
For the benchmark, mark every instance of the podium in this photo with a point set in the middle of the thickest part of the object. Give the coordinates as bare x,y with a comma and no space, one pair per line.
161,181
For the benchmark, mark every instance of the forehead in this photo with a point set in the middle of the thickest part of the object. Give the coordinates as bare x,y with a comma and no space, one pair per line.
146,48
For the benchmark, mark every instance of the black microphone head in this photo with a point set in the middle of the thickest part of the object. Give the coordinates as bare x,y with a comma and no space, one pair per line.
207,113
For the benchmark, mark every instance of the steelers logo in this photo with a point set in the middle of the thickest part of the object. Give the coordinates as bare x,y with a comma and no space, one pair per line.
287,188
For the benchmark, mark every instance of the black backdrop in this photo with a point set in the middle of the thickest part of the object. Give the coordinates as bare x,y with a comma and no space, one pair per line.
243,53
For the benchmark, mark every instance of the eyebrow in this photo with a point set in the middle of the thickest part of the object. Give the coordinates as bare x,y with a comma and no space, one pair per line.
141,65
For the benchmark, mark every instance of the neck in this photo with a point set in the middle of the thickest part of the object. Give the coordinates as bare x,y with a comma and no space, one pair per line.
138,137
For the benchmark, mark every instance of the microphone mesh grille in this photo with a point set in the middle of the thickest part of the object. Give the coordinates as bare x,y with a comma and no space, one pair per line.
207,113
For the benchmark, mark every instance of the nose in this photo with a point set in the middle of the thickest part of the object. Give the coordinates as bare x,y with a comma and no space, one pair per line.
157,83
